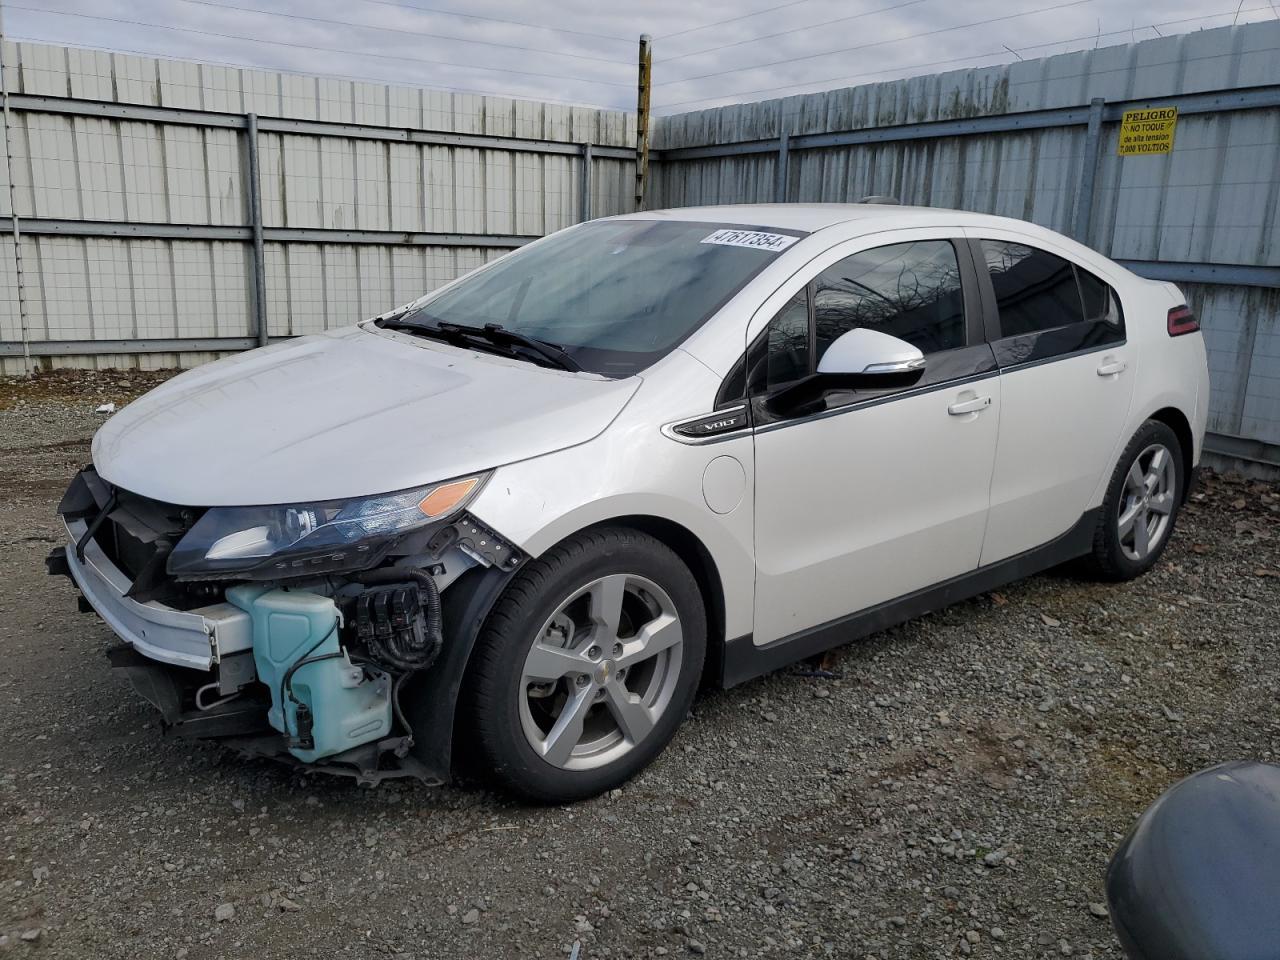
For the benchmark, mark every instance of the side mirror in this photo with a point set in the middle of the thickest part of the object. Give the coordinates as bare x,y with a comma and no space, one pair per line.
875,359
860,359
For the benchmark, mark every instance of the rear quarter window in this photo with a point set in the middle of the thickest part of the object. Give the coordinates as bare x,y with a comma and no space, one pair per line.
1035,290
1100,302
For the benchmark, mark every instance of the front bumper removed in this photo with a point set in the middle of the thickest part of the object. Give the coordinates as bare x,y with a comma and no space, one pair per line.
191,649
168,652
195,639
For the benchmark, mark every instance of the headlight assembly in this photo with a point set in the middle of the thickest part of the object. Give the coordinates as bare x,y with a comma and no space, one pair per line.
288,540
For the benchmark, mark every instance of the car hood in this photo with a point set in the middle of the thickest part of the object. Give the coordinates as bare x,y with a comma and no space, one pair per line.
349,413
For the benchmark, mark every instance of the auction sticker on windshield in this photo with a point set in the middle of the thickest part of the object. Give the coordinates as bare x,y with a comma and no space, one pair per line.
751,238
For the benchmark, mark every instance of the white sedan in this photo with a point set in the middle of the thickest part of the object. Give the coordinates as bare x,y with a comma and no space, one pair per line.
532,511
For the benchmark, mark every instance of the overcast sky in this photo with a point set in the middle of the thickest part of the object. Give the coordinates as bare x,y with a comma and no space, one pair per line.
716,51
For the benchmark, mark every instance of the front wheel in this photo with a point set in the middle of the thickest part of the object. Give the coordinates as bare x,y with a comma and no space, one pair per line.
587,665
1141,504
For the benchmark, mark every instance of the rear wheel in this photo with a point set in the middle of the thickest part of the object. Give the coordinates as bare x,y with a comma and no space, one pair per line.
587,665
1141,505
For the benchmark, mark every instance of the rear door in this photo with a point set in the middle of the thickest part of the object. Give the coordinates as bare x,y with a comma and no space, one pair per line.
1066,381
870,497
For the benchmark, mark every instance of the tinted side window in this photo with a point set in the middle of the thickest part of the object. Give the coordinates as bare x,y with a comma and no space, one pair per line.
1100,302
788,343
779,355
908,290
1035,290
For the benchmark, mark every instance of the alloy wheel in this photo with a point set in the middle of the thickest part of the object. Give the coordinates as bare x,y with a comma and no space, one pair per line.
1146,506
600,672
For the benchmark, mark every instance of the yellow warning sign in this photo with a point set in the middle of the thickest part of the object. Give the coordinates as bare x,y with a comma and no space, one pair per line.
1147,131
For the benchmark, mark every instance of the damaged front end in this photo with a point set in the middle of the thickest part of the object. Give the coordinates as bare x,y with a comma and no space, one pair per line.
329,635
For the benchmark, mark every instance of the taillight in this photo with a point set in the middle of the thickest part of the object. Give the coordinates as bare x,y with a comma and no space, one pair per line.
1182,320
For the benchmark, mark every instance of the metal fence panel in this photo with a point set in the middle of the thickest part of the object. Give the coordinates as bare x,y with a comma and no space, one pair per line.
10,322
1260,415
133,193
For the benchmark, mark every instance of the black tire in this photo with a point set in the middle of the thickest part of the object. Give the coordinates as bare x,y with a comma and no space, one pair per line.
494,687
1109,559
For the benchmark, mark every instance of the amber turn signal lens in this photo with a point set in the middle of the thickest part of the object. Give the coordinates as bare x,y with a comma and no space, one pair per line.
446,496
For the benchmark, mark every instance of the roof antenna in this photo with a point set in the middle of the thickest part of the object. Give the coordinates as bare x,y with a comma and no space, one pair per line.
887,201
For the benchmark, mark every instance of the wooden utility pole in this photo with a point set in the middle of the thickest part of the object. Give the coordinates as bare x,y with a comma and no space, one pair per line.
644,82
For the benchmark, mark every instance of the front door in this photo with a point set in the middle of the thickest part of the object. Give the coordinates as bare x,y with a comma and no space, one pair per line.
864,498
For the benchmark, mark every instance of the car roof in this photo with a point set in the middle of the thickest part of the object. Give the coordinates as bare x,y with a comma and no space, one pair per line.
868,218
810,217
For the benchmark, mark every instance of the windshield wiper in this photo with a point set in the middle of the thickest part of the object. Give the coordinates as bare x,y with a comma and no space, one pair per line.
439,330
496,333
491,336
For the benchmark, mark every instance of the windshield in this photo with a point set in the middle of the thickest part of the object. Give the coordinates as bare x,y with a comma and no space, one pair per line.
614,295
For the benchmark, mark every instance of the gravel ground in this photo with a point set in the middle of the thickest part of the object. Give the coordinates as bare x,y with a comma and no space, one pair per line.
957,790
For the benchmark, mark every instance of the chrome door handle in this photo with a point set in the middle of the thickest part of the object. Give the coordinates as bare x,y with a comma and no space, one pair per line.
977,404
1110,367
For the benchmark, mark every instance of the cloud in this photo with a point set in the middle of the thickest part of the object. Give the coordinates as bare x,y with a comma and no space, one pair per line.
583,51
